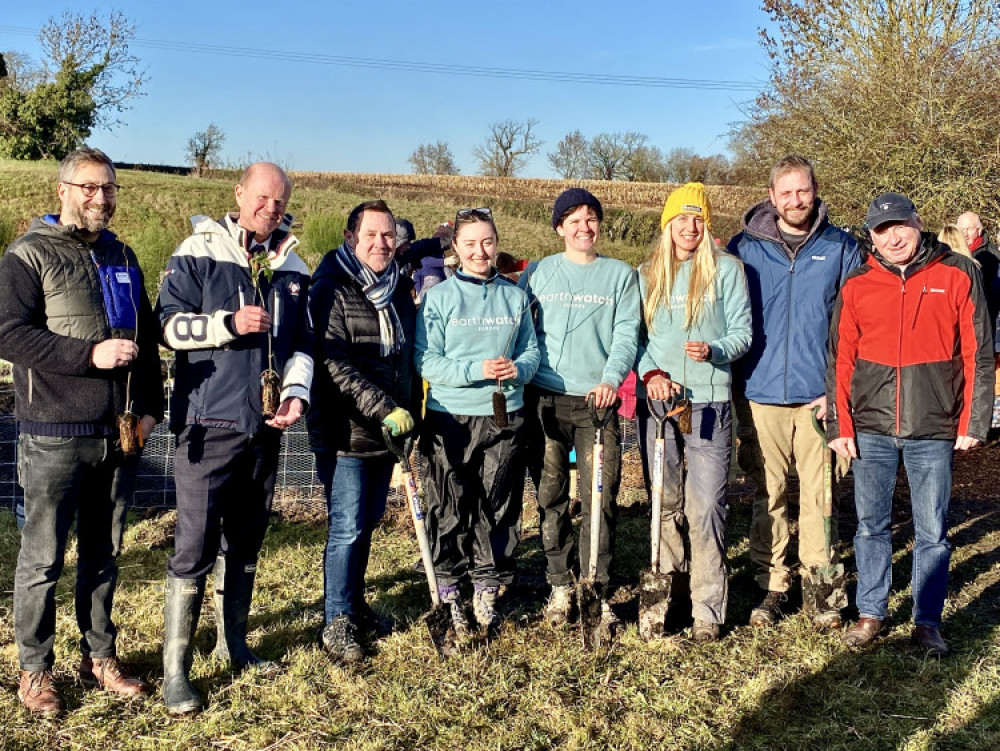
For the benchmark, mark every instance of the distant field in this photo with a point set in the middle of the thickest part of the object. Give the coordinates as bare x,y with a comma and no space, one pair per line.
154,208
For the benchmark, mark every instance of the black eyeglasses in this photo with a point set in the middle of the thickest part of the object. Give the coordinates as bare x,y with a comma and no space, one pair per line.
480,213
110,190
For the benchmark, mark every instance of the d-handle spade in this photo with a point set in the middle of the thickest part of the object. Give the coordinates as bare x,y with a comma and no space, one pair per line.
587,597
654,587
438,619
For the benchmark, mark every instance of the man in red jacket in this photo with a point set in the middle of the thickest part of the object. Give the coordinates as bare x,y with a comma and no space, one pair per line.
911,373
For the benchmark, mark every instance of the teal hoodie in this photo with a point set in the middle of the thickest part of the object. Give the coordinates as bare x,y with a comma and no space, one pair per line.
725,325
463,321
587,322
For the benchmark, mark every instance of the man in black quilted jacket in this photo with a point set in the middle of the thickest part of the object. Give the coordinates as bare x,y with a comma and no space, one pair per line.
364,319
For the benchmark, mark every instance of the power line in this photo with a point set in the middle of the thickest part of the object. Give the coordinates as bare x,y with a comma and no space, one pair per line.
434,68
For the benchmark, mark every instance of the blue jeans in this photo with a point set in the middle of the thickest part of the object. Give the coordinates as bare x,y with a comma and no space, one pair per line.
928,468
356,490
87,480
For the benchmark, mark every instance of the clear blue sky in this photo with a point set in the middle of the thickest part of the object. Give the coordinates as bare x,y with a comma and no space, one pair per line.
335,117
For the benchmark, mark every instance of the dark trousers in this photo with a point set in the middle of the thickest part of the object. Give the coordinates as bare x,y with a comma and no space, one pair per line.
468,467
89,480
566,423
225,483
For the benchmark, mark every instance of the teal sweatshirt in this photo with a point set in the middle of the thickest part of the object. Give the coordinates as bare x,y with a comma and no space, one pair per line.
587,322
725,325
463,321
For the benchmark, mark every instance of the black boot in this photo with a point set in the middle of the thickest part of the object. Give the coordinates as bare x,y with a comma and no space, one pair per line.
221,651
180,621
236,612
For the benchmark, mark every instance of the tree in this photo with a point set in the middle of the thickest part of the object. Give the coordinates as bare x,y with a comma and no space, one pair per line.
433,159
506,148
87,78
205,147
571,159
882,95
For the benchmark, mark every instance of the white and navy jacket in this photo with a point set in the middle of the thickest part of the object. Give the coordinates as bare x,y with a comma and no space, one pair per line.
218,373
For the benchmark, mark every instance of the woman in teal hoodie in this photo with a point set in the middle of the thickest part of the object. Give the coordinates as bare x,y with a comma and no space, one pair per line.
475,339
696,321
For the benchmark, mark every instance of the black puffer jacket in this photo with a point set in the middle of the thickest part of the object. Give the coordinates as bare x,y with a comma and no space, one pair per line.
354,386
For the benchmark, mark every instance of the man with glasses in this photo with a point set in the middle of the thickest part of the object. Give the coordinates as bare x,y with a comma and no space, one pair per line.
76,323
233,305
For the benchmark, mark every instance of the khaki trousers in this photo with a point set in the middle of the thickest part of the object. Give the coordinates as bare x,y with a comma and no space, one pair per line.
770,436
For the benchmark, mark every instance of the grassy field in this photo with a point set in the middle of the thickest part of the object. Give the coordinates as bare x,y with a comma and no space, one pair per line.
154,209
534,687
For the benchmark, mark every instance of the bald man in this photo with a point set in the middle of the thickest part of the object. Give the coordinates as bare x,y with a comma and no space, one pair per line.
975,236
233,304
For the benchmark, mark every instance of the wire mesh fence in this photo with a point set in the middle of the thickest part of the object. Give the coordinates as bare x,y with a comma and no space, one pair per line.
297,482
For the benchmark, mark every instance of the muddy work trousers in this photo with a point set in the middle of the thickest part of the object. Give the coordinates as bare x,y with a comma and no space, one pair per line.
694,512
468,466
566,424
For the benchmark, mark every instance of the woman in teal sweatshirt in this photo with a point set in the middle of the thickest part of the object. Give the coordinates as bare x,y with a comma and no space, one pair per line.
696,321
474,338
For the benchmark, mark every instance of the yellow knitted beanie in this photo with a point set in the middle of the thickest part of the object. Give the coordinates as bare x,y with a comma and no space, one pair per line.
688,199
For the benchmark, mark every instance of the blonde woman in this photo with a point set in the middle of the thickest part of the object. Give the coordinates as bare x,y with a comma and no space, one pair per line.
696,321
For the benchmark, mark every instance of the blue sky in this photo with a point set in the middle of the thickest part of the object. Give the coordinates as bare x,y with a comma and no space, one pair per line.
334,117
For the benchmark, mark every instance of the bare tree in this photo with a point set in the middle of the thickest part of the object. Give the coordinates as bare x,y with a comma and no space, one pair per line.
433,159
506,148
99,45
571,159
205,147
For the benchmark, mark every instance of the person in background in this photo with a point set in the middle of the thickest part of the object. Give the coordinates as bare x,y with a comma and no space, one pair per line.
475,338
911,375
77,326
696,321
423,260
365,317
587,323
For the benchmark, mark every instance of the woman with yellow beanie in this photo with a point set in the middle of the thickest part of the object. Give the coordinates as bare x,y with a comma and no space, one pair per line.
696,321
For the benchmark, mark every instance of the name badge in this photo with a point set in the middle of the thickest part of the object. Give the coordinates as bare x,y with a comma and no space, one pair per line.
122,277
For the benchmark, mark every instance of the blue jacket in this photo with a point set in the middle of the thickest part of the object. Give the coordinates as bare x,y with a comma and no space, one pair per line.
218,371
791,300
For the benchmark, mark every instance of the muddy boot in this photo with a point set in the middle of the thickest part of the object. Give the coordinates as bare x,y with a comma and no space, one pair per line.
180,621
484,607
559,608
236,613
221,651
452,598
654,602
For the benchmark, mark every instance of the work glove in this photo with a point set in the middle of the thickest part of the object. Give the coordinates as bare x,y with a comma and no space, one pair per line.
398,421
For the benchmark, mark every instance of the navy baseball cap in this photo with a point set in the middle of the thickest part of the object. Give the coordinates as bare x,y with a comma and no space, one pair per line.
890,207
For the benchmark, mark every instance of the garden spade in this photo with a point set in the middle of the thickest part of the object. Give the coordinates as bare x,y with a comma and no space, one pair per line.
654,587
587,597
823,587
438,619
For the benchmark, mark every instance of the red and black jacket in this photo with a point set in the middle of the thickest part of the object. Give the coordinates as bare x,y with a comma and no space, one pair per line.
911,351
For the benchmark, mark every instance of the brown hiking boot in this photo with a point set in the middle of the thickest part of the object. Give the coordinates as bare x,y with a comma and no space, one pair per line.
768,613
38,694
108,674
864,632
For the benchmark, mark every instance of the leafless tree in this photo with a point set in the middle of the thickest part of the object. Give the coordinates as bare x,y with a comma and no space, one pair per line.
506,148
433,159
571,159
205,147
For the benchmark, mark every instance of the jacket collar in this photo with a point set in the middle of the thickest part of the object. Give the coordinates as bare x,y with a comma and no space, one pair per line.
761,220
930,250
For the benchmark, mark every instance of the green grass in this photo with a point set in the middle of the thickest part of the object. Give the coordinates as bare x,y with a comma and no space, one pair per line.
154,210
533,687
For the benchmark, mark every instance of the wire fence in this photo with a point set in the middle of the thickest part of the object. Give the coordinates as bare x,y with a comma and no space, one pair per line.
297,482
